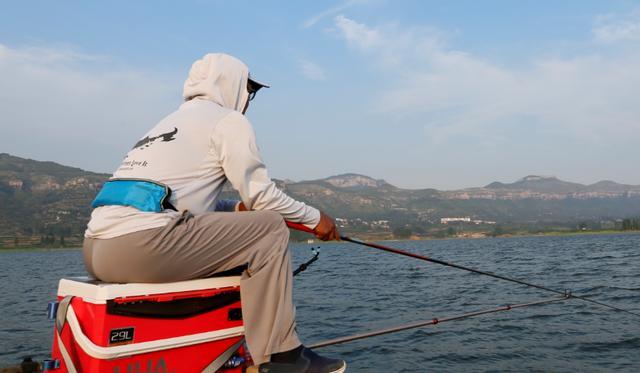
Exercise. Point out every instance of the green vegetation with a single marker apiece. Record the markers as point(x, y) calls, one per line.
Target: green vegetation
point(402, 232)
point(44, 204)
point(631, 224)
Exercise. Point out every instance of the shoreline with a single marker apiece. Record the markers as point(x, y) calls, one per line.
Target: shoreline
point(378, 239)
point(18, 249)
point(365, 237)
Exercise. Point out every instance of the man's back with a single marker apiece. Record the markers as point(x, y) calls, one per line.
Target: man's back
point(178, 152)
point(194, 151)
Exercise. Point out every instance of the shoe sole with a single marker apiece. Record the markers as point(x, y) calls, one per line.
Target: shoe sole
point(254, 369)
point(340, 370)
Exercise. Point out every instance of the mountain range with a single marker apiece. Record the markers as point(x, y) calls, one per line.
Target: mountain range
point(532, 199)
point(45, 198)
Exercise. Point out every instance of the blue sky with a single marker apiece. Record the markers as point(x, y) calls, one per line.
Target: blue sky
point(420, 93)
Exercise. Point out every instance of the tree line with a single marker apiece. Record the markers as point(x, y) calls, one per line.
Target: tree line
point(631, 224)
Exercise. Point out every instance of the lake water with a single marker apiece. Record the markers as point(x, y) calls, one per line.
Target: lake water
point(351, 289)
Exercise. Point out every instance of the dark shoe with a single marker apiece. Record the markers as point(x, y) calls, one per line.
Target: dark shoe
point(307, 361)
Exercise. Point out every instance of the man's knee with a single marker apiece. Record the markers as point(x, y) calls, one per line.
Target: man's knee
point(274, 220)
point(278, 230)
point(273, 243)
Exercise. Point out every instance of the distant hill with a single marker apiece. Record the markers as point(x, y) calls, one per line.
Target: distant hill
point(541, 184)
point(531, 199)
point(47, 201)
point(44, 198)
point(354, 182)
point(553, 185)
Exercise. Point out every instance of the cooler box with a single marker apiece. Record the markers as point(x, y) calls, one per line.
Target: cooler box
point(189, 326)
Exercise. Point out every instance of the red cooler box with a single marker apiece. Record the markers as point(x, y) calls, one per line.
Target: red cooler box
point(189, 326)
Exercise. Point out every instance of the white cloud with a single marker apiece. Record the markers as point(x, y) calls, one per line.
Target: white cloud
point(612, 28)
point(79, 109)
point(311, 70)
point(311, 21)
point(590, 97)
point(45, 55)
point(357, 34)
point(391, 43)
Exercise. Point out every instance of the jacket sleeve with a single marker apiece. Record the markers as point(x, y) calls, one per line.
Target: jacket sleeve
point(234, 142)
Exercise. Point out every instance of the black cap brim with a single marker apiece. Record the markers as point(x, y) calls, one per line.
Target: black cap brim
point(256, 85)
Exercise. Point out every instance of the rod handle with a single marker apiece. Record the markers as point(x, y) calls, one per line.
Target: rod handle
point(299, 227)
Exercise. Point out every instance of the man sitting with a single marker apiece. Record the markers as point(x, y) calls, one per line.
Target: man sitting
point(155, 219)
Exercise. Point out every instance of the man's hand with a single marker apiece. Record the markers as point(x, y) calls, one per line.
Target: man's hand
point(326, 230)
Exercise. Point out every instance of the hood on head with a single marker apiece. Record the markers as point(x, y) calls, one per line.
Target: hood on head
point(220, 78)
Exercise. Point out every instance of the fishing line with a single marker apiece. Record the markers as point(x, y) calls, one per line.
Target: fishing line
point(453, 265)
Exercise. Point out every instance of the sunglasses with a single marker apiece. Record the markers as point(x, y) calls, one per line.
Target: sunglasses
point(252, 91)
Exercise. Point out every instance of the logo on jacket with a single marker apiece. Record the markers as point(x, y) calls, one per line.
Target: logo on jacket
point(148, 141)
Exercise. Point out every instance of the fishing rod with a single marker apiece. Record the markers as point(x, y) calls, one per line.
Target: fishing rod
point(304, 228)
point(435, 321)
point(303, 267)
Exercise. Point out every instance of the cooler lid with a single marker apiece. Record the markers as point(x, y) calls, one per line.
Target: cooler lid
point(94, 291)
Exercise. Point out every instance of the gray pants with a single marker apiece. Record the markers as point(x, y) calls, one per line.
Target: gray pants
point(199, 246)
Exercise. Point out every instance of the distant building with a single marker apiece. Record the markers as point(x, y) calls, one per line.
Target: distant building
point(476, 222)
point(341, 222)
point(380, 223)
point(465, 219)
point(16, 184)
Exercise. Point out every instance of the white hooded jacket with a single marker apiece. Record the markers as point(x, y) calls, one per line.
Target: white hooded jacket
point(196, 150)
